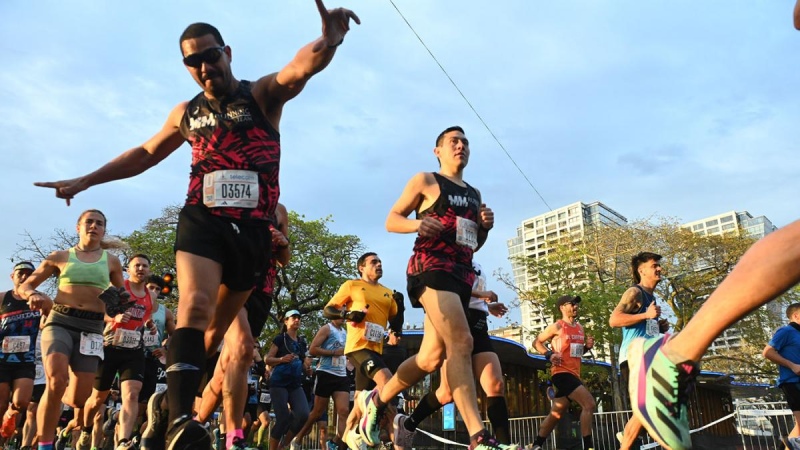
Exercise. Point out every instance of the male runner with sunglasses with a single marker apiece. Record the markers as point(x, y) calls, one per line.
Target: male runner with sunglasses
point(233, 191)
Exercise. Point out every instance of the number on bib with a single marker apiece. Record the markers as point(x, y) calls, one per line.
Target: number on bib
point(466, 233)
point(265, 397)
point(651, 327)
point(151, 340)
point(576, 350)
point(161, 387)
point(374, 332)
point(16, 344)
point(126, 338)
point(231, 188)
point(91, 344)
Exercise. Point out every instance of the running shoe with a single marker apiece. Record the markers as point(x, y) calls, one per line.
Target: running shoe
point(157, 422)
point(355, 441)
point(402, 437)
point(659, 391)
point(488, 442)
point(369, 424)
point(241, 444)
point(84, 441)
point(332, 445)
point(9, 423)
point(187, 434)
point(294, 445)
point(62, 439)
point(126, 444)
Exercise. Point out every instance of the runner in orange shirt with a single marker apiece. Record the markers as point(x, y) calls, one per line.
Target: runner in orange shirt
point(569, 343)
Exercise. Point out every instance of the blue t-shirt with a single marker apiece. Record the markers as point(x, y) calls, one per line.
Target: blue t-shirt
point(786, 341)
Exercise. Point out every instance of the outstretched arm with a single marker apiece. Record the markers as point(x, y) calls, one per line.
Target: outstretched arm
point(273, 90)
point(129, 164)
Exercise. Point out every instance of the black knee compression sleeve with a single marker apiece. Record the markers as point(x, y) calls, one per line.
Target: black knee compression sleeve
point(186, 359)
point(497, 411)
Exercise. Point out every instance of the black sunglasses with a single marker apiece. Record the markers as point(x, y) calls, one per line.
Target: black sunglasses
point(208, 56)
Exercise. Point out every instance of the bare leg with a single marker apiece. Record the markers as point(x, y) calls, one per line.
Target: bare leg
point(767, 269)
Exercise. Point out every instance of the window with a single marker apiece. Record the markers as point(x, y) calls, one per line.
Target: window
point(562, 215)
point(539, 223)
point(711, 223)
point(726, 219)
point(728, 226)
point(697, 227)
point(550, 219)
point(713, 230)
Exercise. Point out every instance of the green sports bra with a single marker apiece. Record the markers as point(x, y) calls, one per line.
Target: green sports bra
point(77, 272)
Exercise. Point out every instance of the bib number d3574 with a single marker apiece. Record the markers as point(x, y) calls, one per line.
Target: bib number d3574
point(230, 189)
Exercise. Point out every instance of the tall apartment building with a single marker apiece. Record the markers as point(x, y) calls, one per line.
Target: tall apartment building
point(530, 242)
point(734, 222)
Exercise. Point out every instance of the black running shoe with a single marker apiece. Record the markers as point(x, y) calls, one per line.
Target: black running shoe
point(157, 421)
point(187, 434)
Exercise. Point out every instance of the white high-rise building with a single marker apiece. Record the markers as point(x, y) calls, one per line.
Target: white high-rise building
point(734, 222)
point(530, 242)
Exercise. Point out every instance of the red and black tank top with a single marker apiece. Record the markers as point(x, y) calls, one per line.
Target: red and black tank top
point(451, 251)
point(232, 134)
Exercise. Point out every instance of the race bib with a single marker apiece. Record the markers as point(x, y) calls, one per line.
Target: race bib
point(126, 338)
point(374, 332)
point(39, 373)
point(161, 387)
point(265, 397)
point(338, 361)
point(466, 233)
point(16, 344)
point(91, 344)
point(576, 350)
point(151, 340)
point(231, 188)
point(651, 327)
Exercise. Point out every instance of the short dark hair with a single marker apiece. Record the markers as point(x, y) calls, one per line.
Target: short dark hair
point(362, 260)
point(199, 29)
point(155, 279)
point(140, 255)
point(440, 138)
point(639, 259)
point(791, 309)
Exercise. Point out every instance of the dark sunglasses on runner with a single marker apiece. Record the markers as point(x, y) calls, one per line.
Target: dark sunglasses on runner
point(208, 56)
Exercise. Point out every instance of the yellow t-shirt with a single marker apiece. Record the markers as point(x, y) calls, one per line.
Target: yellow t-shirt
point(376, 299)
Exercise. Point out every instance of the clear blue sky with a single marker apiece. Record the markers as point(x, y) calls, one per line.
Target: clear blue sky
point(680, 108)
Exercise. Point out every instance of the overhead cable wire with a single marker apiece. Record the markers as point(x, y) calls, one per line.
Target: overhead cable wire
point(470, 105)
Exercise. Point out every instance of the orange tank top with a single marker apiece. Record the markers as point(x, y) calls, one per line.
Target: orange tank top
point(569, 344)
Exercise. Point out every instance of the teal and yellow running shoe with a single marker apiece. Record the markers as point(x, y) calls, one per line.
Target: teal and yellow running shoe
point(659, 392)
